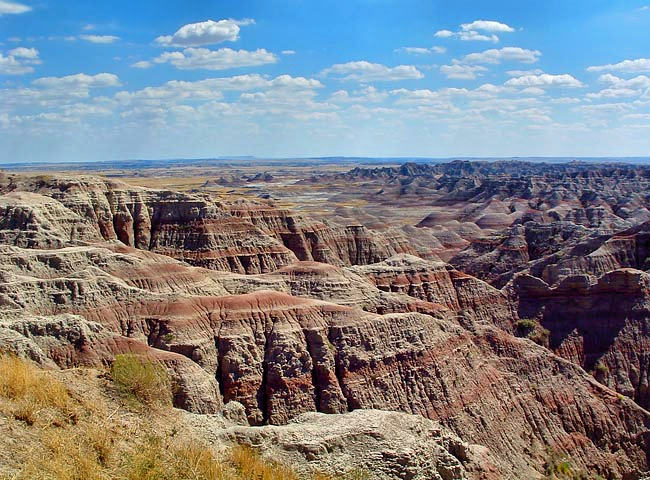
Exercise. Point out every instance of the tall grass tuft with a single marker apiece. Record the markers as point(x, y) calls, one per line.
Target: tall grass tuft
point(141, 380)
point(31, 391)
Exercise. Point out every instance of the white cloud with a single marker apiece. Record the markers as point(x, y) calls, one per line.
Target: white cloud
point(621, 88)
point(478, 30)
point(99, 38)
point(19, 61)
point(637, 116)
point(212, 88)
point(421, 50)
point(208, 32)
point(521, 73)
point(368, 94)
point(641, 81)
point(535, 91)
point(507, 54)
point(472, 36)
point(22, 52)
point(444, 34)
point(288, 52)
point(363, 71)
point(459, 71)
point(203, 58)
point(545, 80)
point(565, 100)
point(613, 93)
point(626, 66)
point(7, 8)
point(88, 27)
point(52, 92)
point(605, 108)
point(80, 80)
point(487, 26)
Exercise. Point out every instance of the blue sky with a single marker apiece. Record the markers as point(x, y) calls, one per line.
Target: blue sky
point(85, 80)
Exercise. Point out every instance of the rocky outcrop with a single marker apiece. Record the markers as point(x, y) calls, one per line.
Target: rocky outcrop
point(243, 237)
point(439, 283)
point(602, 325)
point(378, 445)
point(315, 241)
point(69, 340)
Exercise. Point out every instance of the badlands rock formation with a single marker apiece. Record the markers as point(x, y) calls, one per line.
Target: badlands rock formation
point(245, 238)
point(388, 444)
point(602, 325)
point(229, 297)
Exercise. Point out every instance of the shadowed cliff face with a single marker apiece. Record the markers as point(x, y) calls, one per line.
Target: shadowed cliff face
point(602, 325)
point(89, 269)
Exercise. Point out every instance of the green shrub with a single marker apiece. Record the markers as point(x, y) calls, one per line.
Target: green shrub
point(141, 380)
point(532, 330)
point(601, 369)
point(526, 326)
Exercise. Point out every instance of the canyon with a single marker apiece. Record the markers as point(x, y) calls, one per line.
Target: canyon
point(492, 316)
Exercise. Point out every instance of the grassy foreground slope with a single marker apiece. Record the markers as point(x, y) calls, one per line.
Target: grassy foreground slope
point(85, 424)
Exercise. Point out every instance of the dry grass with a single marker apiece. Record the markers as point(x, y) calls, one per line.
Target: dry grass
point(248, 465)
point(96, 437)
point(157, 458)
point(29, 394)
point(141, 381)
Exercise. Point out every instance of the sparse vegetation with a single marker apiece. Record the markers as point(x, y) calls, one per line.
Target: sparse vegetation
point(94, 439)
point(559, 467)
point(526, 326)
point(31, 394)
point(600, 369)
point(532, 330)
point(141, 380)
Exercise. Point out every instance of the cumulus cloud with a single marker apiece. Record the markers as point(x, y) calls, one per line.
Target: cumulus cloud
point(363, 71)
point(478, 30)
point(478, 37)
point(288, 52)
point(507, 54)
point(203, 58)
point(487, 26)
point(459, 71)
point(80, 80)
point(642, 81)
point(23, 52)
point(613, 93)
point(626, 66)
point(13, 8)
point(444, 34)
point(421, 50)
point(208, 32)
point(521, 73)
point(209, 89)
point(545, 80)
point(621, 88)
point(368, 94)
point(99, 38)
point(19, 61)
point(52, 92)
